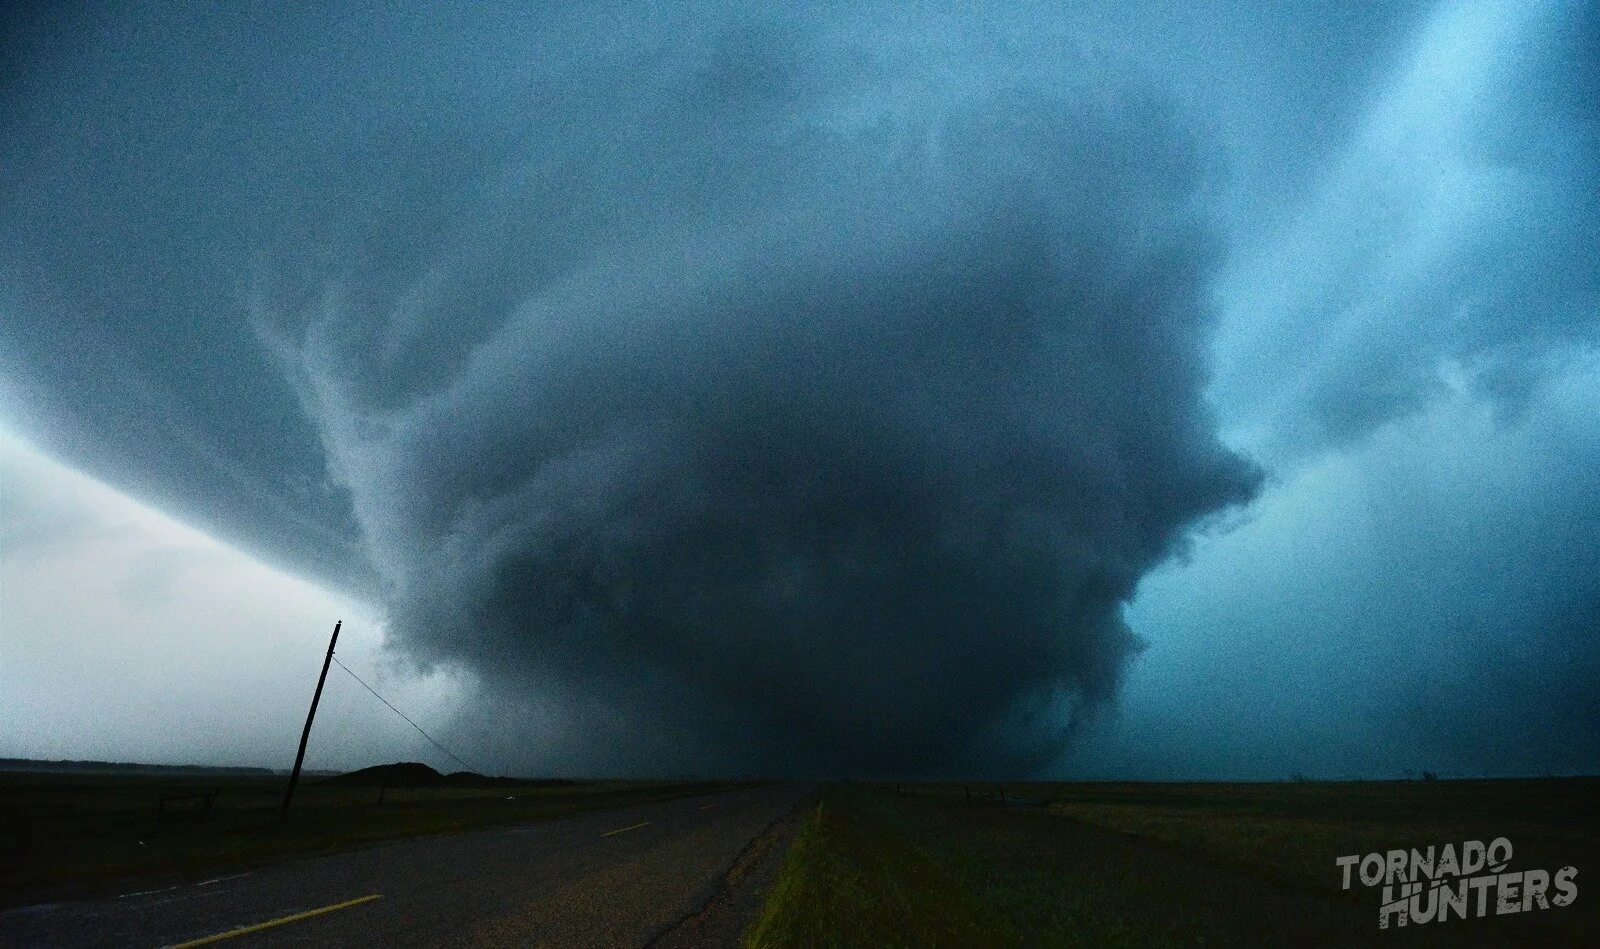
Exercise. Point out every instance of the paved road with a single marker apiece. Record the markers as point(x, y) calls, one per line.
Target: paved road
point(619, 877)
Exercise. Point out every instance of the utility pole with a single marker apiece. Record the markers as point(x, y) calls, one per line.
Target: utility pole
point(305, 736)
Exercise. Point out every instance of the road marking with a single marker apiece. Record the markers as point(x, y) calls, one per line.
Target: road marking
point(624, 830)
point(147, 892)
point(706, 807)
point(247, 930)
point(222, 879)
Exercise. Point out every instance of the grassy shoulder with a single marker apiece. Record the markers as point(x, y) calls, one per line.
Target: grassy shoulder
point(83, 833)
point(871, 869)
point(852, 877)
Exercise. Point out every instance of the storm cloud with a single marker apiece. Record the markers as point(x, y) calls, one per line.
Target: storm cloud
point(725, 391)
point(812, 393)
point(843, 449)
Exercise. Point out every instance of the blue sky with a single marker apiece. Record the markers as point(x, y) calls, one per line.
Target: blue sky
point(1139, 390)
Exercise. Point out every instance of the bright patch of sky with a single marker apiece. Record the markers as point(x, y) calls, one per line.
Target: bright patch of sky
point(125, 635)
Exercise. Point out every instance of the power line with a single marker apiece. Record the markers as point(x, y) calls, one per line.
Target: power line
point(406, 717)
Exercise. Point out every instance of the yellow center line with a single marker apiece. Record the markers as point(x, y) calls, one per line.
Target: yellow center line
point(247, 930)
point(624, 830)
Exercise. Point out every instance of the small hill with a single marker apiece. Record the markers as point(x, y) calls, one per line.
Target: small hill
point(404, 774)
point(412, 774)
point(472, 779)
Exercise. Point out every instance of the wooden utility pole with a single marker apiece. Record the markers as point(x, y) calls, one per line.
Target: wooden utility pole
point(305, 736)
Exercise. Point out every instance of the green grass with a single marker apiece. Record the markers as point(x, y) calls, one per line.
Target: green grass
point(870, 869)
point(852, 878)
point(1181, 865)
point(1291, 832)
point(76, 833)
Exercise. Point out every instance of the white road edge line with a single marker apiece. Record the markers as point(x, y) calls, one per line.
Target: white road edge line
point(159, 889)
point(233, 876)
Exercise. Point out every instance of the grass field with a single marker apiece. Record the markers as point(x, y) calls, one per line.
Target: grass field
point(937, 864)
point(868, 869)
point(68, 833)
point(1292, 831)
point(1156, 864)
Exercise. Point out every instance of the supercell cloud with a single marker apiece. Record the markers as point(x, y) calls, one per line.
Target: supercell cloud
point(807, 440)
point(791, 394)
point(724, 392)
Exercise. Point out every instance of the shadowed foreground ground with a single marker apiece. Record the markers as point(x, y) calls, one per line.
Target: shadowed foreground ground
point(945, 865)
point(1158, 865)
point(85, 834)
point(670, 873)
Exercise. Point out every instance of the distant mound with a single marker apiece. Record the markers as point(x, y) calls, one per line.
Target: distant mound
point(472, 779)
point(404, 774)
point(413, 774)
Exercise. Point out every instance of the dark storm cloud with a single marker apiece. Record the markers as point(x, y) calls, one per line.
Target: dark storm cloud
point(843, 449)
point(786, 394)
point(800, 392)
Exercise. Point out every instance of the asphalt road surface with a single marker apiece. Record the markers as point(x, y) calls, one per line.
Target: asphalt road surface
point(630, 876)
